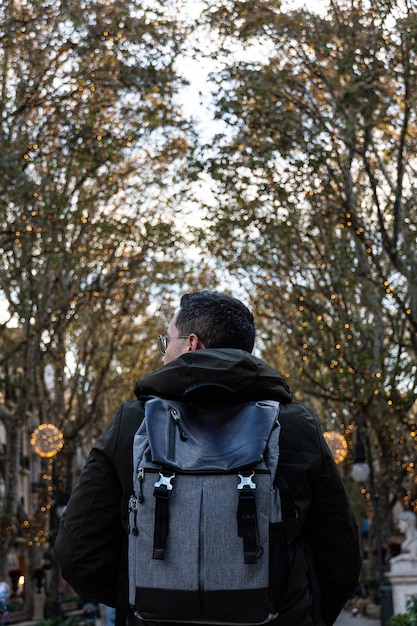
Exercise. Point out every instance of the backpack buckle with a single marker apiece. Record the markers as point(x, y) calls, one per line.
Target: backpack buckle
point(247, 522)
point(165, 481)
point(246, 482)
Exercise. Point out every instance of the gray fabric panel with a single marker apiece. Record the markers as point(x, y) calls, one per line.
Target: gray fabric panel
point(217, 551)
point(223, 556)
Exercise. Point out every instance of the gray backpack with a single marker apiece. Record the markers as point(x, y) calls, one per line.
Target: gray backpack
point(206, 543)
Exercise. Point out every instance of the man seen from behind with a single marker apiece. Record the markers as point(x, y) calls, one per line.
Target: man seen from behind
point(210, 338)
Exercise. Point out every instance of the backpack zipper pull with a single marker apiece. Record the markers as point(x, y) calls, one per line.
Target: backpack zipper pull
point(176, 419)
point(133, 509)
point(141, 474)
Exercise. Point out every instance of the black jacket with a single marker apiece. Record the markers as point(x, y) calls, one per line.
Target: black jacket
point(92, 541)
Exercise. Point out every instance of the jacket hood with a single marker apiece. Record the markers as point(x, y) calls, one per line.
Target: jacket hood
point(216, 375)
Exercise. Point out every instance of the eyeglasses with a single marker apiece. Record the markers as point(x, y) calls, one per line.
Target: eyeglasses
point(164, 339)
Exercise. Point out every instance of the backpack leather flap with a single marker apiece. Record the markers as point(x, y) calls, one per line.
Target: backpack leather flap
point(190, 437)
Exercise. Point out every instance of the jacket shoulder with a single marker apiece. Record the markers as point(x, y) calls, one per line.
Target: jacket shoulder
point(300, 428)
point(119, 433)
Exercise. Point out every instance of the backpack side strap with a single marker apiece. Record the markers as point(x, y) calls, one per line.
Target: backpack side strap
point(162, 492)
point(246, 517)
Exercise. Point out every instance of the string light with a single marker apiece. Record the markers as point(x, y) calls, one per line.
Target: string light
point(337, 444)
point(47, 440)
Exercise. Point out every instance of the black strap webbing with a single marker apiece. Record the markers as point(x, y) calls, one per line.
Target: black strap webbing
point(288, 508)
point(247, 525)
point(162, 491)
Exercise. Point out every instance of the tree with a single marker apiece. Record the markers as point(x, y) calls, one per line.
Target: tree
point(92, 150)
point(315, 186)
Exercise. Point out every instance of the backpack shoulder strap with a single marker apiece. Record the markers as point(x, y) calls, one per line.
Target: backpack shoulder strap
point(288, 507)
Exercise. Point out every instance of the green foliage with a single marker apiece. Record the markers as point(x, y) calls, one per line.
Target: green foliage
point(401, 619)
point(314, 185)
point(61, 621)
point(406, 619)
point(92, 154)
point(314, 210)
point(91, 148)
point(14, 605)
point(412, 610)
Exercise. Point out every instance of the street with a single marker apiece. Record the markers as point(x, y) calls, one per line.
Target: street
point(344, 619)
point(347, 619)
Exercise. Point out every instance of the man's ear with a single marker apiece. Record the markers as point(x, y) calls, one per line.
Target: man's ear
point(195, 343)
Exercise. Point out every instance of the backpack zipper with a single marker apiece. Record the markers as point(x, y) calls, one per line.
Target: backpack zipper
point(175, 416)
point(175, 424)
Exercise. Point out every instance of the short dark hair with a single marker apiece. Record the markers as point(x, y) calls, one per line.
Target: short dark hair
point(219, 320)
